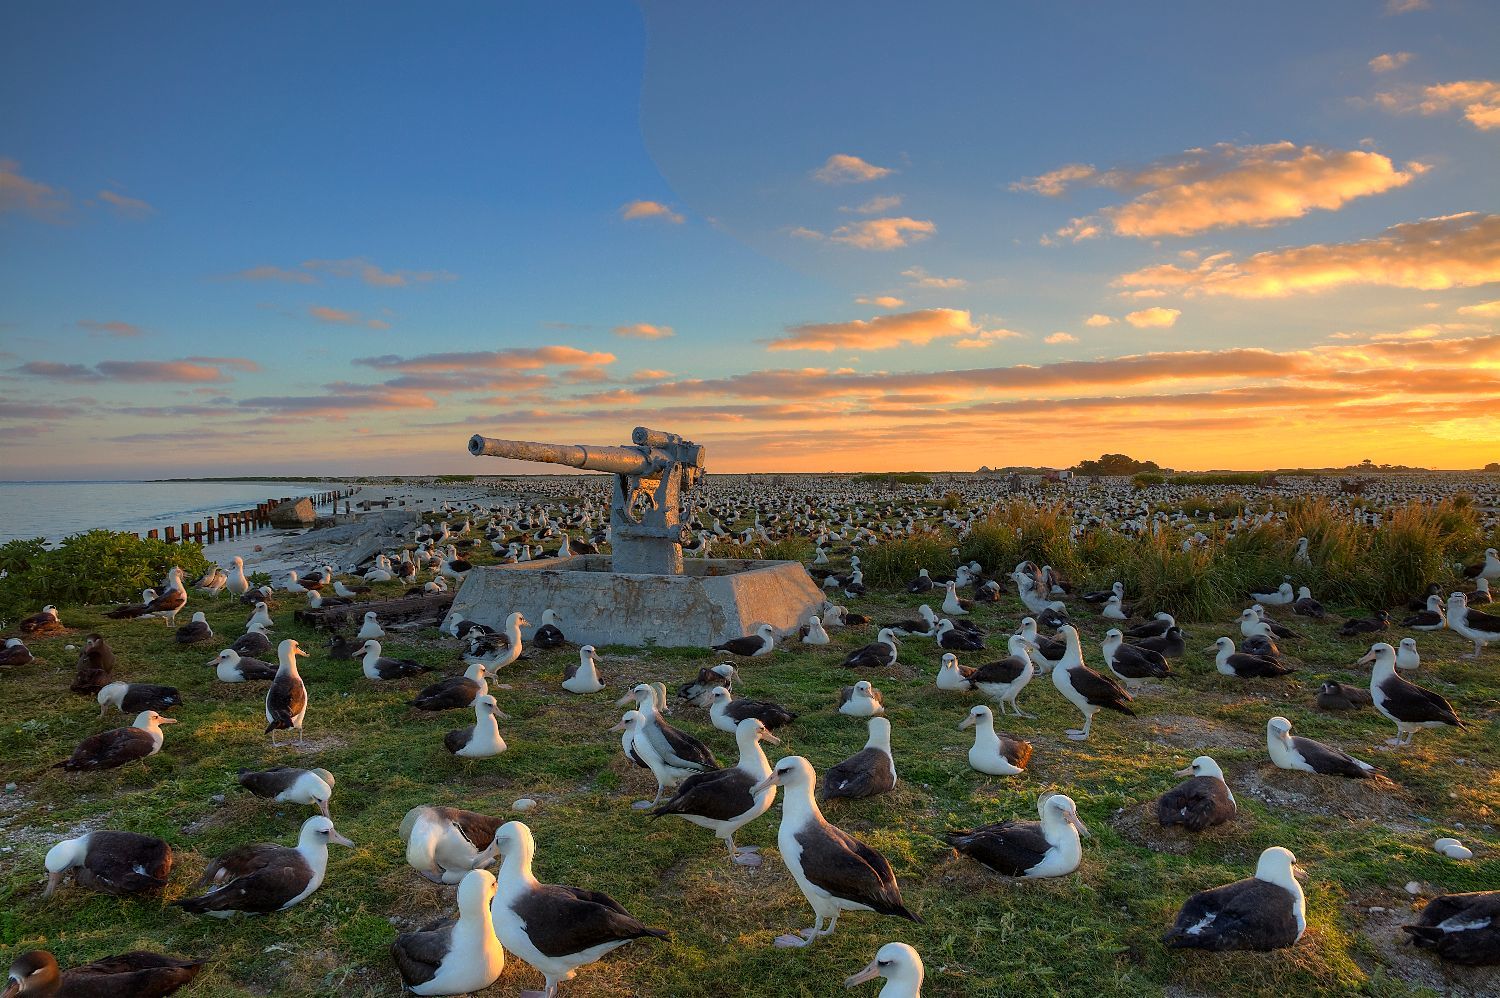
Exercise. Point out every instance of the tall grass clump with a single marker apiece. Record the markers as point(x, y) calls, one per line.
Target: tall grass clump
point(1019, 532)
point(1192, 584)
point(894, 563)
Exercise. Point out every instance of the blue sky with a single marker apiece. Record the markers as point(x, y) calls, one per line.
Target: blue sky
point(210, 214)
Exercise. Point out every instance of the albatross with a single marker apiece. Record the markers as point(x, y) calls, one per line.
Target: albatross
point(1410, 706)
point(1265, 912)
point(454, 956)
point(262, 878)
point(115, 748)
point(721, 800)
point(1050, 847)
point(835, 871)
point(1293, 752)
point(1201, 801)
point(1084, 688)
point(137, 974)
point(556, 929)
point(444, 843)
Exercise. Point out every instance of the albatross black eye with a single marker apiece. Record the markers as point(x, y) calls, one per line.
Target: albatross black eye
point(883, 963)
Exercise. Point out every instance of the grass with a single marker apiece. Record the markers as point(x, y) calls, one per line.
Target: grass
point(1095, 931)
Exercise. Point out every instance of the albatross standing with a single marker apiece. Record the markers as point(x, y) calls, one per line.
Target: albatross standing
point(1084, 688)
point(1412, 707)
point(721, 801)
point(835, 871)
point(554, 928)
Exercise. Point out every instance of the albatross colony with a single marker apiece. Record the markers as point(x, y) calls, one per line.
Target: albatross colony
point(529, 869)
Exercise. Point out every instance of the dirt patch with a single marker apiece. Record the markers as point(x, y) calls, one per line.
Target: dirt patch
point(1181, 731)
point(1138, 824)
point(1376, 799)
point(1379, 917)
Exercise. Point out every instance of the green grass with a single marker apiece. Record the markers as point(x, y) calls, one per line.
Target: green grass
point(1095, 931)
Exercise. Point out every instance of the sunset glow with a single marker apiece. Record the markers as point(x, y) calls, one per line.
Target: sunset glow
point(812, 237)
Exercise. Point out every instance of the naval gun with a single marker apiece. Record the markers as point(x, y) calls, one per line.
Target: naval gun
point(651, 476)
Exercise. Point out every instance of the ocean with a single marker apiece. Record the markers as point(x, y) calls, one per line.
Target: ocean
point(56, 509)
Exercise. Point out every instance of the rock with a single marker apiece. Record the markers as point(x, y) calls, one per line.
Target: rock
point(1413, 888)
point(1453, 849)
point(217, 798)
point(524, 804)
point(10, 786)
point(297, 513)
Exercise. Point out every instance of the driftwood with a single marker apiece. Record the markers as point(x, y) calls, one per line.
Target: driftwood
point(404, 610)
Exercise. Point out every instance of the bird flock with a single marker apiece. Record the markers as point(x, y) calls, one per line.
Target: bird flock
point(559, 930)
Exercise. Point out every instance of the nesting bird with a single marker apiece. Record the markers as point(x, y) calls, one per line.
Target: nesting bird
point(994, 753)
point(263, 878)
point(1201, 801)
point(112, 749)
point(1050, 847)
point(1265, 912)
point(1305, 755)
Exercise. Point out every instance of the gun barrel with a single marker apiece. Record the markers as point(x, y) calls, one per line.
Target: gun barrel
point(619, 460)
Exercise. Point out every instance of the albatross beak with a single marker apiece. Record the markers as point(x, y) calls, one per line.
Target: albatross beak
point(323, 806)
point(766, 736)
point(166, 720)
point(53, 879)
point(967, 722)
point(337, 839)
point(626, 699)
point(12, 989)
point(1211, 649)
point(871, 971)
point(1077, 823)
point(618, 727)
point(766, 784)
point(1369, 657)
point(1184, 772)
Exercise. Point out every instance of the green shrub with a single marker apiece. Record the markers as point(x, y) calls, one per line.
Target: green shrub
point(894, 563)
point(1146, 478)
point(100, 566)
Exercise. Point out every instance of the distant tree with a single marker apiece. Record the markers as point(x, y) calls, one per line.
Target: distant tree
point(1115, 465)
point(1492, 466)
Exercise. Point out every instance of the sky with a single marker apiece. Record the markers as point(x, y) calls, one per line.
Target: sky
point(339, 238)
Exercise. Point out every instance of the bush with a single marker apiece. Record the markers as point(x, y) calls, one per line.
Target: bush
point(1146, 478)
point(100, 566)
point(893, 478)
point(895, 563)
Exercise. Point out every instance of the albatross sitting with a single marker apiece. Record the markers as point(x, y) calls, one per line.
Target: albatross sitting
point(259, 879)
point(1265, 912)
point(444, 843)
point(554, 928)
point(868, 772)
point(454, 956)
point(835, 871)
point(1304, 755)
point(115, 748)
point(901, 967)
point(992, 752)
point(1047, 848)
point(1201, 801)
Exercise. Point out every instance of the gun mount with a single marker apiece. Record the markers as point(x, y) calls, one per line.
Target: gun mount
point(652, 475)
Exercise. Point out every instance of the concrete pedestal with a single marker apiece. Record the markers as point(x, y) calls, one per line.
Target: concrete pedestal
point(712, 601)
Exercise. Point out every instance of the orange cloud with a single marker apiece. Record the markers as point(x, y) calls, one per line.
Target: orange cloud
point(644, 331)
point(343, 317)
point(1453, 251)
point(268, 272)
point(1393, 7)
point(1055, 183)
point(1098, 319)
point(126, 207)
point(633, 210)
point(1387, 61)
point(1479, 100)
point(374, 276)
point(1060, 337)
point(880, 333)
point(1484, 308)
point(1228, 186)
point(113, 328)
point(920, 278)
point(1155, 317)
point(192, 370)
point(21, 194)
point(876, 205)
point(884, 301)
point(879, 233)
point(986, 337)
point(841, 168)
